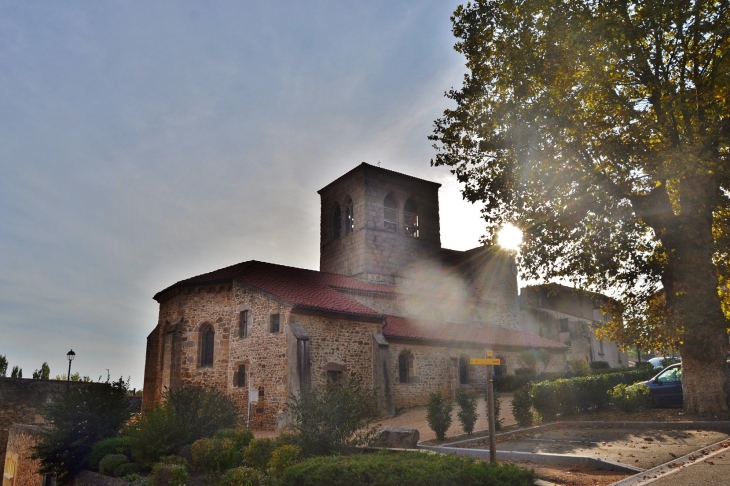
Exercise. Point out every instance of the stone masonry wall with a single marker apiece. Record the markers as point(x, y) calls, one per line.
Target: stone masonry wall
point(20, 440)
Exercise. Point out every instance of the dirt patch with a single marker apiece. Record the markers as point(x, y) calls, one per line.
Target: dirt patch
point(573, 475)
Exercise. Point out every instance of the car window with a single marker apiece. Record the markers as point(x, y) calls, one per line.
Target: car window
point(671, 375)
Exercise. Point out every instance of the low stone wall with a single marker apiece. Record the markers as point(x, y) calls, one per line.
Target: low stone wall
point(21, 438)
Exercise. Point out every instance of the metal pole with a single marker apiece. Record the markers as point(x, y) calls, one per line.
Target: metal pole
point(248, 417)
point(490, 412)
point(68, 377)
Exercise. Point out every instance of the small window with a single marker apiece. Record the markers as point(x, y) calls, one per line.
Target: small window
point(334, 376)
point(241, 376)
point(261, 392)
point(336, 222)
point(600, 346)
point(463, 370)
point(243, 324)
point(349, 216)
point(275, 321)
point(208, 343)
point(564, 325)
point(390, 214)
point(410, 218)
point(403, 368)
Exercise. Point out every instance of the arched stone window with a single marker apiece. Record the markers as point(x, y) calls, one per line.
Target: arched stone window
point(336, 222)
point(207, 343)
point(405, 367)
point(410, 218)
point(349, 216)
point(464, 370)
point(390, 213)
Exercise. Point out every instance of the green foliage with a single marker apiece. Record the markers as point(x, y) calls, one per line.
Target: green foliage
point(643, 366)
point(75, 422)
point(438, 414)
point(42, 374)
point(600, 365)
point(522, 406)
point(168, 475)
point(216, 455)
point(112, 445)
point(497, 409)
point(110, 462)
point(334, 418)
point(403, 469)
point(467, 413)
point(579, 367)
point(185, 415)
point(258, 453)
point(17, 372)
point(3, 366)
point(629, 398)
point(127, 469)
point(242, 476)
point(240, 437)
point(283, 457)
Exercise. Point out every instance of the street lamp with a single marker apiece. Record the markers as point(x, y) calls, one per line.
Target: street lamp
point(70, 355)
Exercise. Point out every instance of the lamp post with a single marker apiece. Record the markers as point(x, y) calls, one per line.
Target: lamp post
point(70, 355)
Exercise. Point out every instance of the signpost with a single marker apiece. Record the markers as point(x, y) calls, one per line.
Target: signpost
point(489, 362)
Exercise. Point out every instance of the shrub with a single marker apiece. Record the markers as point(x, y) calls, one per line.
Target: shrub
point(76, 421)
point(510, 383)
point(403, 469)
point(168, 475)
point(215, 455)
point(240, 437)
point(644, 365)
point(282, 457)
point(497, 408)
point(523, 372)
point(579, 367)
point(258, 453)
point(438, 414)
point(600, 365)
point(241, 476)
point(467, 413)
point(112, 445)
point(185, 416)
point(522, 406)
point(173, 459)
point(127, 469)
point(110, 462)
point(334, 418)
point(629, 398)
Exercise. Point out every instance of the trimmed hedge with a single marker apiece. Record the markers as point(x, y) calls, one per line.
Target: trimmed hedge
point(404, 469)
point(510, 383)
point(568, 396)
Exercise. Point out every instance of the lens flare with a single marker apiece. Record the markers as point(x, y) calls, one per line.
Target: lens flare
point(509, 237)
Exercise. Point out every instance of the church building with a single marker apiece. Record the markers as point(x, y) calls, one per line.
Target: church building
point(388, 303)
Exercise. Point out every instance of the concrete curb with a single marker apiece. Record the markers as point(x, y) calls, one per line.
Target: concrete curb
point(540, 458)
point(663, 470)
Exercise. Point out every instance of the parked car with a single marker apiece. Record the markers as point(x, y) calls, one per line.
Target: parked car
point(658, 361)
point(665, 389)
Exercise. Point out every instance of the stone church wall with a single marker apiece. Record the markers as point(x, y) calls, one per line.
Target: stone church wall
point(21, 439)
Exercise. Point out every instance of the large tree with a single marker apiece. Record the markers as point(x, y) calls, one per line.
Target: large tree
point(602, 129)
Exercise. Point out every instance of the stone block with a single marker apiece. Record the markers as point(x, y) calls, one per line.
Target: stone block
point(396, 438)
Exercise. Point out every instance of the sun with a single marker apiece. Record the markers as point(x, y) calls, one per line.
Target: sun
point(509, 237)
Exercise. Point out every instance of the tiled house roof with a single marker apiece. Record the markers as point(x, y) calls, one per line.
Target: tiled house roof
point(447, 332)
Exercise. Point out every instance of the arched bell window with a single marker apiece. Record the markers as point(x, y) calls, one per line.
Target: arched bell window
point(410, 218)
point(390, 213)
point(207, 344)
point(405, 367)
point(336, 221)
point(349, 216)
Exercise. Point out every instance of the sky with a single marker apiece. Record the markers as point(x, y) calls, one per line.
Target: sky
point(142, 143)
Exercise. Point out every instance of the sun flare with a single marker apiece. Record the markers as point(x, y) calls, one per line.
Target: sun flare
point(509, 237)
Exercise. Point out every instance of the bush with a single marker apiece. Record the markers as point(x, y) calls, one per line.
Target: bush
point(403, 469)
point(467, 413)
point(258, 453)
point(240, 437)
point(112, 445)
point(76, 420)
point(510, 383)
point(600, 365)
point(127, 469)
point(185, 416)
point(241, 476)
point(523, 372)
point(579, 367)
point(110, 462)
point(438, 414)
point(497, 408)
point(216, 455)
point(334, 418)
point(522, 406)
point(644, 365)
point(282, 457)
point(168, 475)
point(629, 398)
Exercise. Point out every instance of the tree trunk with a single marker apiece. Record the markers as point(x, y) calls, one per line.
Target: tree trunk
point(693, 303)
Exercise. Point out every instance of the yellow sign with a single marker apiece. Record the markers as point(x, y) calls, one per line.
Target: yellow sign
point(485, 361)
point(490, 353)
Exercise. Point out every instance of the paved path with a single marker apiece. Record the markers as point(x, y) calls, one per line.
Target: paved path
point(416, 418)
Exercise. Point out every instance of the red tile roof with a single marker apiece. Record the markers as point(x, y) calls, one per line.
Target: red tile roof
point(308, 289)
point(401, 327)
